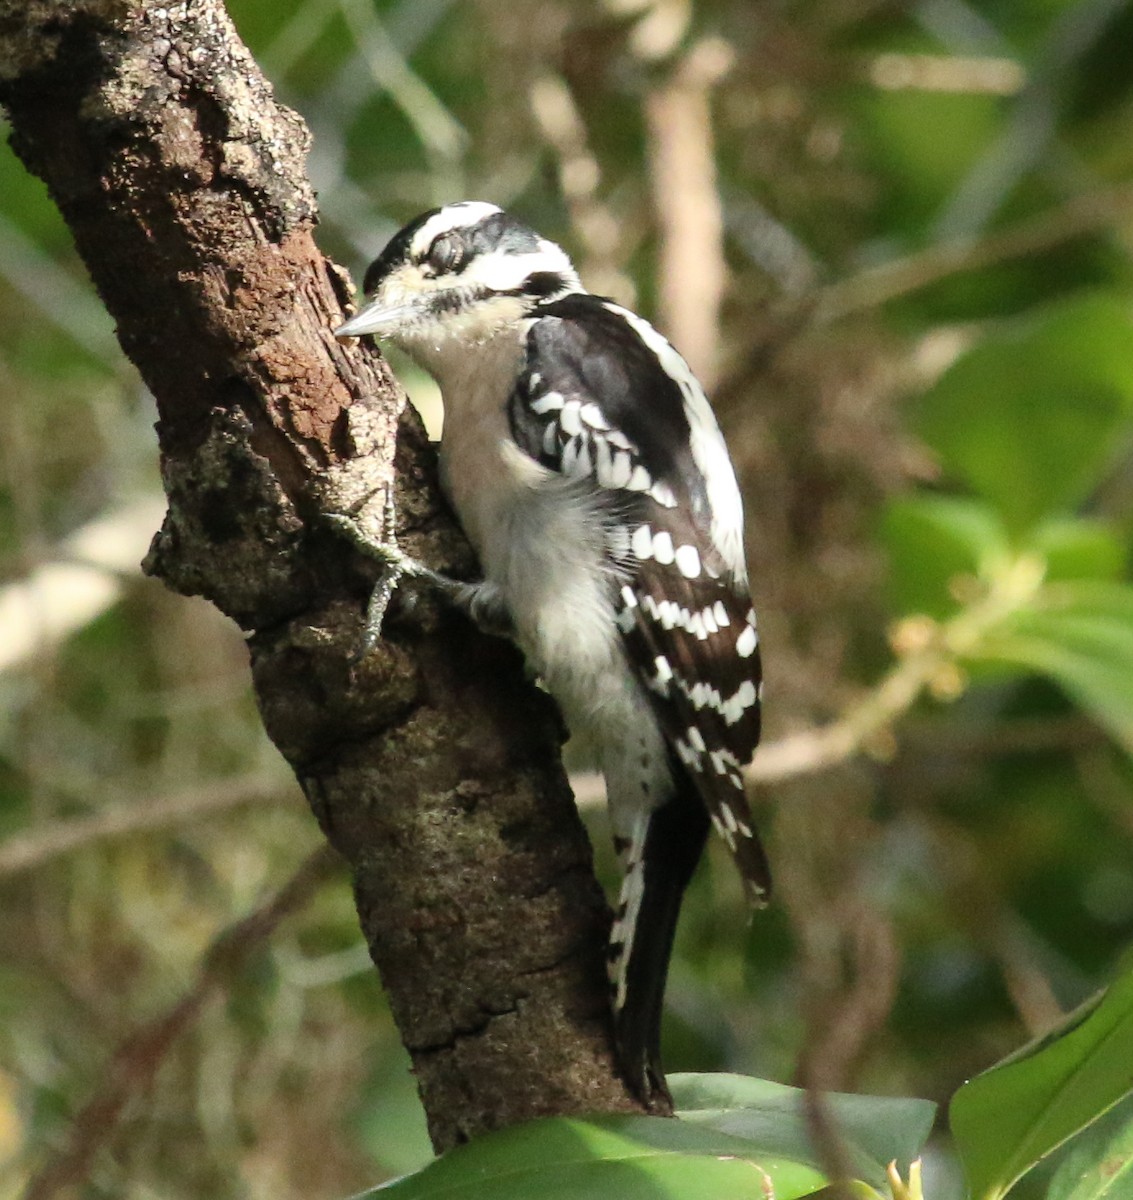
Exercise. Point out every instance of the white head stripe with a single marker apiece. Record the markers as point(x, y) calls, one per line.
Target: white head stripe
point(452, 216)
point(508, 272)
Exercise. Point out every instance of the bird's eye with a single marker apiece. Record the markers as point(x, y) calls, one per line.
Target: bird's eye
point(446, 254)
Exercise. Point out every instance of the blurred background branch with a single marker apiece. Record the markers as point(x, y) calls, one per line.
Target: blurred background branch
point(27, 851)
point(691, 274)
point(134, 1064)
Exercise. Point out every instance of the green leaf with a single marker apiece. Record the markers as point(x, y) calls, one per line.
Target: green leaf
point(1032, 416)
point(633, 1158)
point(1100, 1163)
point(735, 1136)
point(932, 540)
point(1012, 1116)
point(1081, 635)
point(1078, 548)
point(875, 1129)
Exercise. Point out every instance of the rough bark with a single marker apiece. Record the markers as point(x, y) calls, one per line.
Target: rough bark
point(432, 766)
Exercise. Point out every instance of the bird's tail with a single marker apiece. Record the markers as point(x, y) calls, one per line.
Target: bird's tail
point(658, 858)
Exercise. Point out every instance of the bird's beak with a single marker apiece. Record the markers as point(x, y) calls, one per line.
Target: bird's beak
point(376, 317)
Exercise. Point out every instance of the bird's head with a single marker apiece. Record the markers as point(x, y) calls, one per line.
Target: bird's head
point(456, 276)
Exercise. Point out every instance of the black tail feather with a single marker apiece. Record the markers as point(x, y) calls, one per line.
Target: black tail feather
point(673, 844)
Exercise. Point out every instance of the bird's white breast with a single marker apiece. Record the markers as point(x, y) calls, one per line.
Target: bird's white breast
point(541, 541)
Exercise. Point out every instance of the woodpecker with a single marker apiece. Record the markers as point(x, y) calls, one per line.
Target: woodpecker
point(588, 471)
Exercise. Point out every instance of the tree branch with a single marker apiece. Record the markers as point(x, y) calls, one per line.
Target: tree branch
point(433, 765)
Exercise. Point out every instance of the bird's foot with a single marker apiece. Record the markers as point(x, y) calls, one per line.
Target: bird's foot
point(394, 565)
point(480, 601)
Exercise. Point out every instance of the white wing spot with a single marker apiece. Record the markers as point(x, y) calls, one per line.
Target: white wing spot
point(668, 613)
point(624, 618)
point(663, 494)
point(640, 480)
point(688, 755)
point(723, 762)
point(746, 642)
point(688, 561)
point(591, 414)
point(735, 706)
point(548, 402)
point(642, 542)
point(569, 419)
point(724, 832)
point(620, 469)
point(663, 548)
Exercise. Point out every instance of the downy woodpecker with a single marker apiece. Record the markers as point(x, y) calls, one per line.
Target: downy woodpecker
point(589, 473)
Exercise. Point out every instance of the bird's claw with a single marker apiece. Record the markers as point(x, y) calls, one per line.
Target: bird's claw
point(481, 602)
point(393, 562)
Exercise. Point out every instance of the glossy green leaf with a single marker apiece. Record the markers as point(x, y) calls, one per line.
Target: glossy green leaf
point(1032, 416)
point(1099, 1165)
point(875, 1129)
point(1012, 1116)
point(1081, 635)
point(633, 1158)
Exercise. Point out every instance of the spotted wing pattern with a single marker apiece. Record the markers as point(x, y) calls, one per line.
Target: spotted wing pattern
point(596, 403)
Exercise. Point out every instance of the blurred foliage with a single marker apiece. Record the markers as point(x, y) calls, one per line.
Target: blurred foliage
point(924, 367)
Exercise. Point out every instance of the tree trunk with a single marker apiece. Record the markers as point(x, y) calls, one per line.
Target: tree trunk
point(433, 765)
